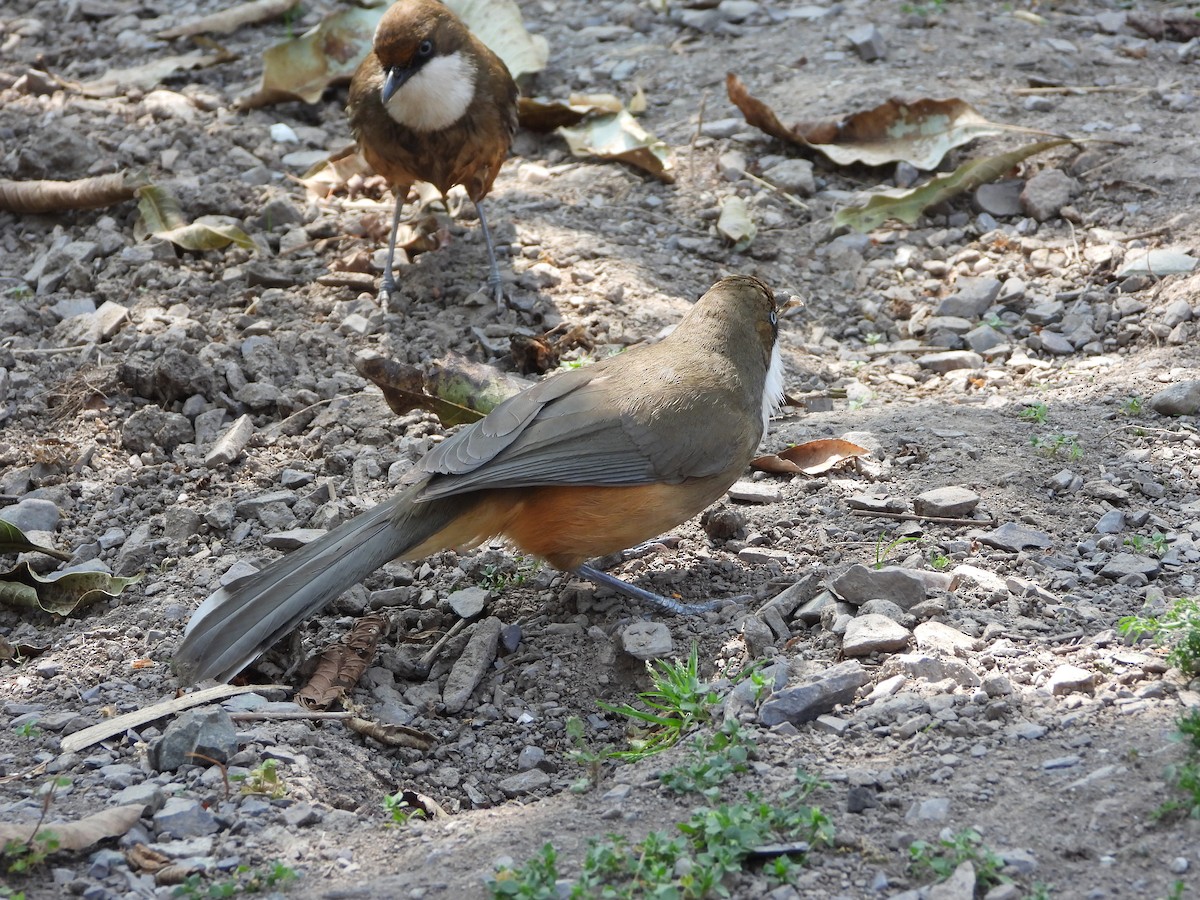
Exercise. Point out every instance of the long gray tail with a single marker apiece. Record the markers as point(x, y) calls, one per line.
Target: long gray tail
point(236, 624)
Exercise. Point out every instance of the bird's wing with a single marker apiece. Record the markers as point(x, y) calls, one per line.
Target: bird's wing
point(570, 429)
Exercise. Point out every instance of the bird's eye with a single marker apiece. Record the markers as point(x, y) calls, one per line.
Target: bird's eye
point(774, 319)
point(425, 48)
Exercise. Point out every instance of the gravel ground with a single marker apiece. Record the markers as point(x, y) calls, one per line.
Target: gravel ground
point(975, 681)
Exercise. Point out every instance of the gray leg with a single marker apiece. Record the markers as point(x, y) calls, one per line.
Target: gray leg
point(494, 269)
point(681, 609)
point(388, 286)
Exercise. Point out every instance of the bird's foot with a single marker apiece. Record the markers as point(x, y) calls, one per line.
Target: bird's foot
point(631, 590)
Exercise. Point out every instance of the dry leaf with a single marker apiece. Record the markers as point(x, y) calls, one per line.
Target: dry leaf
point(810, 458)
point(499, 25)
point(13, 540)
point(55, 196)
point(414, 800)
point(392, 735)
point(621, 137)
point(340, 665)
point(920, 133)
point(230, 20)
point(454, 389)
point(907, 205)
point(542, 353)
point(80, 834)
point(148, 76)
point(547, 115)
point(142, 857)
point(61, 593)
point(159, 214)
point(735, 224)
point(332, 174)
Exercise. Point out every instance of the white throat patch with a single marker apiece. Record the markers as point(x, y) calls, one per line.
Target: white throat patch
point(437, 96)
point(773, 387)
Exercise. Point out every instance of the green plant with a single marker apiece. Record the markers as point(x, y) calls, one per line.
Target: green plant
point(711, 761)
point(1158, 540)
point(494, 578)
point(882, 551)
point(401, 811)
point(939, 560)
point(583, 754)
point(941, 858)
point(263, 779)
point(28, 730)
point(677, 701)
point(1040, 891)
point(1186, 775)
point(873, 337)
point(1133, 406)
point(1178, 890)
point(536, 880)
point(1179, 627)
point(1036, 413)
point(1053, 444)
point(21, 856)
point(245, 880)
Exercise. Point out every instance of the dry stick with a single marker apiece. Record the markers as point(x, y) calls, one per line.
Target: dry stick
point(1080, 89)
point(1153, 232)
point(284, 715)
point(913, 517)
point(790, 198)
point(428, 658)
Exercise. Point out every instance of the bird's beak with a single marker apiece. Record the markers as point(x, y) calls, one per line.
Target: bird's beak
point(393, 81)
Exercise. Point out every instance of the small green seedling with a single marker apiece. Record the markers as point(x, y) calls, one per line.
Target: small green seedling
point(883, 552)
point(1037, 413)
point(401, 811)
point(1133, 406)
point(591, 760)
point(263, 779)
point(28, 730)
point(940, 859)
point(1179, 628)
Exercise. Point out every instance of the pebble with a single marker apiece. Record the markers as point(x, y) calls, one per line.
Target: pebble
point(803, 703)
point(1013, 537)
point(873, 633)
point(1121, 565)
point(1112, 522)
point(943, 638)
point(207, 731)
point(959, 886)
point(1001, 199)
point(524, 783)
point(182, 817)
point(755, 492)
point(973, 297)
point(468, 670)
point(292, 538)
point(467, 603)
point(32, 515)
point(867, 42)
point(859, 583)
point(231, 443)
point(794, 176)
point(1046, 193)
point(950, 360)
point(1181, 399)
point(948, 502)
point(931, 809)
point(647, 640)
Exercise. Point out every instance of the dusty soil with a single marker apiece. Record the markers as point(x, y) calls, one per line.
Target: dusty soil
point(1062, 782)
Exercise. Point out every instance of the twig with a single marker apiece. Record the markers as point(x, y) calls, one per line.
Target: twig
point(790, 198)
point(427, 660)
point(1153, 232)
point(913, 517)
point(284, 715)
point(279, 425)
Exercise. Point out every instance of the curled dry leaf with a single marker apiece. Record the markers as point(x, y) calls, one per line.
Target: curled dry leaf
point(160, 215)
point(340, 665)
point(499, 25)
point(230, 20)
point(427, 805)
point(148, 76)
point(541, 353)
point(907, 205)
point(920, 133)
point(735, 223)
point(141, 857)
point(62, 593)
point(547, 115)
point(810, 458)
point(80, 834)
point(392, 735)
point(13, 540)
point(332, 174)
point(621, 137)
point(455, 389)
point(33, 197)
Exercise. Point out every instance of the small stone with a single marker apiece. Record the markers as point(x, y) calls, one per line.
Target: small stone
point(32, 514)
point(1112, 522)
point(959, 886)
point(1105, 490)
point(301, 815)
point(794, 176)
point(947, 502)
point(724, 523)
point(868, 43)
point(755, 492)
point(468, 602)
point(1053, 342)
point(1013, 537)
point(469, 669)
point(524, 783)
point(1046, 193)
point(229, 446)
point(797, 705)
point(1157, 263)
point(1179, 865)
point(207, 731)
point(292, 538)
point(873, 633)
point(147, 795)
point(530, 758)
point(950, 360)
point(931, 809)
point(1061, 762)
point(1124, 564)
point(184, 818)
point(943, 638)
point(858, 584)
point(1001, 199)
point(983, 338)
point(1181, 399)
point(647, 640)
point(971, 299)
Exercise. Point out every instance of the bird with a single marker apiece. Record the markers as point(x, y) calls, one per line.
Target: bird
point(583, 464)
point(430, 102)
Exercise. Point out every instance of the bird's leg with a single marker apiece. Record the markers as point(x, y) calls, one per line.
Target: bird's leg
point(612, 581)
point(388, 286)
point(494, 271)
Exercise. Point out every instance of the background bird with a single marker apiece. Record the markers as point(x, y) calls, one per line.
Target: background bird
point(431, 103)
point(583, 464)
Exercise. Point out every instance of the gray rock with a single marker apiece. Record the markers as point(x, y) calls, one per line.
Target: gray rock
point(647, 640)
point(524, 783)
point(943, 638)
point(181, 817)
point(1046, 312)
point(971, 300)
point(1013, 537)
point(949, 360)
point(468, 602)
point(868, 43)
point(886, 608)
point(301, 815)
point(1001, 199)
point(795, 595)
point(292, 538)
point(32, 515)
point(983, 338)
point(803, 703)
point(530, 758)
point(873, 633)
point(931, 809)
point(229, 446)
point(207, 731)
point(757, 634)
point(469, 670)
point(755, 492)
point(1068, 679)
point(152, 427)
point(949, 502)
point(959, 886)
point(1105, 490)
point(1177, 312)
point(859, 583)
point(1052, 342)
point(1123, 564)
point(1112, 522)
point(1181, 399)
point(1046, 193)
point(148, 795)
point(794, 176)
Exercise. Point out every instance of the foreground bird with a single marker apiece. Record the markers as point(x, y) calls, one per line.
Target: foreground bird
point(431, 103)
point(583, 464)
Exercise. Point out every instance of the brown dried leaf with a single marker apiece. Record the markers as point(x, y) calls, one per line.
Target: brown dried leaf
point(1180, 25)
point(810, 458)
point(230, 20)
point(142, 857)
point(147, 76)
point(80, 834)
point(340, 665)
point(546, 115)
point(621, 137)
point(455, 390)
point(541, 353)
point(333, 174)
point(35, 197)
point(392, 735)
point(920, 133)
point(415, 800)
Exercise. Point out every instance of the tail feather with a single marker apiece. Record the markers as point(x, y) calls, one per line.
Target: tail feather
point(232, 627)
